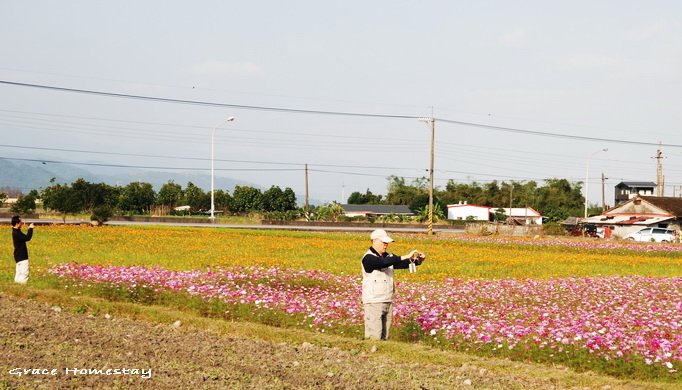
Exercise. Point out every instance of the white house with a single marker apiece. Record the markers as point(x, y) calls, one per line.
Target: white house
point(522, 215)
point(464, 211)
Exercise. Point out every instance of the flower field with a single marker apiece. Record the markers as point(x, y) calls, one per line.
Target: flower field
point(622, 319)
point(339, 253)
point(614, 307)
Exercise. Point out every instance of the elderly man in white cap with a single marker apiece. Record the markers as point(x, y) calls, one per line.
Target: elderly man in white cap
point(377, 283)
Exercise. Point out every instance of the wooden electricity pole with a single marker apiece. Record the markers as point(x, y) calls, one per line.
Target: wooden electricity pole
point(603, 202)
point(306, 188)
point(433, 134)
point(660, 179)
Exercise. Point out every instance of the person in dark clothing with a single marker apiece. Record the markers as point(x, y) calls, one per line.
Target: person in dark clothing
point(378, 286)
point(20, 249)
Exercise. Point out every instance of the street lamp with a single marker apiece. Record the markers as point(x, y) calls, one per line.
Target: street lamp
point(587, 174)
point(230, 119)
point(432, 122)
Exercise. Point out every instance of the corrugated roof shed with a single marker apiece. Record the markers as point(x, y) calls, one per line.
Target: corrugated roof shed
point(668, 203)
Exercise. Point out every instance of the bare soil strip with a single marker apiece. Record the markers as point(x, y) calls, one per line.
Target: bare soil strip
point(46, 346)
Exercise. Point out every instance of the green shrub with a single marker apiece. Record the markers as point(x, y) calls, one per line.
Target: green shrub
point(553, 229)
point(101, 214)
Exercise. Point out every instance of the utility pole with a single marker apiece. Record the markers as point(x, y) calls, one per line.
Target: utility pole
point(603, 201)
point(675, 191)
point(511, 199)
point(431, 120)
point(306, 188)
point(433, 134)
point(660, 179)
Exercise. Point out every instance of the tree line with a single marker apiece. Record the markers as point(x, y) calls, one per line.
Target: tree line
point(102, 200)
point(557, 199)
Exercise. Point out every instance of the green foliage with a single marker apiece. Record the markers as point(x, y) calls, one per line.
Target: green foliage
point(500, 215)
point(101, 214)
point(557, 200)
point(330, 212)
point(196, 198)
point(25, 204)
point(393, 218)
point(90, 195)
point(367, 198)
point(137, 198)
point(61, 198)
point(560, 199)
point(438, 214)
point(222, 200)
point(247, 199)
point(80, 196)
point(410, 331)
point(473, 193)
point(3, 198)
point(275, 199)
point(170, 194)
point(553, 229)
point(289, 215)
point(593, 209)
point(556, 214)
point(405, 194)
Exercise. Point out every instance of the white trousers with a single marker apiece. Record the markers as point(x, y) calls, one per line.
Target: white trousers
point(21, 275)
point(378, 317)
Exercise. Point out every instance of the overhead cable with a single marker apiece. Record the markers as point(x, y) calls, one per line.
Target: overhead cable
point(337, 113)
point(209, 104)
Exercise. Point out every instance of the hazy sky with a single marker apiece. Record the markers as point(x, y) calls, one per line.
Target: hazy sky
point(610, 70)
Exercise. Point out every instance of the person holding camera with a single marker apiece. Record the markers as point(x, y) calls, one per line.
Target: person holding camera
point(378, 286)
point(20, 250)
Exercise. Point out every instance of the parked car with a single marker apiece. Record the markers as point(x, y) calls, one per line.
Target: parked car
point(653, 235)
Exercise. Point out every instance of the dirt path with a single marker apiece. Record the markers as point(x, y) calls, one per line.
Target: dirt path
point(60, 344)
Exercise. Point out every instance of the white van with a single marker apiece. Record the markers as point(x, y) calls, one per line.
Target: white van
point(653, 235)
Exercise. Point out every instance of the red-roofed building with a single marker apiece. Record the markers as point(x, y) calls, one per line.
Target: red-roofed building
point(640, 212)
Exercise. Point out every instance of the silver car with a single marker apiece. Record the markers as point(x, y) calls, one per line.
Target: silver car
point(653, 235)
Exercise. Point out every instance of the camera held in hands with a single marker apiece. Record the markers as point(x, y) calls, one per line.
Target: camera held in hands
point(416, 260)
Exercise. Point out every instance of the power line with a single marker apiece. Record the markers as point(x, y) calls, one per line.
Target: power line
point(186, 126)
point(336, 113)
point(196, 158)
point(45, 161)
point(208, 104)
point(555, 135)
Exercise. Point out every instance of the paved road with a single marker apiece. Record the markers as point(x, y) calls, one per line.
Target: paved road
point(257, 227)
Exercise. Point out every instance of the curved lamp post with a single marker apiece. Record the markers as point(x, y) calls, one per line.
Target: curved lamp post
point(230, 119)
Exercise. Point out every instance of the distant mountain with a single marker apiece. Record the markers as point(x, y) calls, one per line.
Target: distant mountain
point(27, 176)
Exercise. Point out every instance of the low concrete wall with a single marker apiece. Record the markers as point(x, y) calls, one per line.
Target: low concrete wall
point(162, 219)
point(25, 216)
point(376, 225)
point(503, 230)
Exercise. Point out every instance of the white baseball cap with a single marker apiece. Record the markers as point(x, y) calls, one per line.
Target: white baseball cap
point(380, 234)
